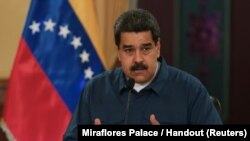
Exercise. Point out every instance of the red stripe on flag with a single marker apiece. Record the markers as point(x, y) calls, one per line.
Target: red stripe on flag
point(33, 110)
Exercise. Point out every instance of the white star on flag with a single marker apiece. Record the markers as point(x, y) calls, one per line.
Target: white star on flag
point(49, 25)
point(64, 31)
point(76, 42)
point(84, 56)
point(34, 27)
point(88, 73)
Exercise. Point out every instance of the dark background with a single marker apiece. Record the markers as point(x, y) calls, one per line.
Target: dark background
point(239, 40)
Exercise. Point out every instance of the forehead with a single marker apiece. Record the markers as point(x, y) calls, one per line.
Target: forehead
point(135, 37)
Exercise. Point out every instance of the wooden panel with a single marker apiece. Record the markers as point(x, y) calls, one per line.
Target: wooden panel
point(3, 87)
point(163, 12)
point(206, 58)
point(240, 64)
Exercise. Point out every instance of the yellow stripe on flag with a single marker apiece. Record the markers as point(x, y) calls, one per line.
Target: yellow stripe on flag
point(86, 13)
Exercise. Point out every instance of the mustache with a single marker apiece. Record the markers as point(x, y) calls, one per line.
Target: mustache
point(138, 66)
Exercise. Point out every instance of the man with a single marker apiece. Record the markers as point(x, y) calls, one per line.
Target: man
point(161, 94)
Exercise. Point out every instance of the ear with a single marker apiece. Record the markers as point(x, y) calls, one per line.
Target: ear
point(118, 56)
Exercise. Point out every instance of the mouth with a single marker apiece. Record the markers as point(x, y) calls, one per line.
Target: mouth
point(139, 72)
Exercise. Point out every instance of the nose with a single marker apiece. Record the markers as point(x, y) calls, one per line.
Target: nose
point(138, 56)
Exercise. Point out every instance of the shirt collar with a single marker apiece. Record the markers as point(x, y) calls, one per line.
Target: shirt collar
point(161, 77)
point(138, 87)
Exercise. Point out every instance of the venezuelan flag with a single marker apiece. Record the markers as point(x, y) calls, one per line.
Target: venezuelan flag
point(59, 52)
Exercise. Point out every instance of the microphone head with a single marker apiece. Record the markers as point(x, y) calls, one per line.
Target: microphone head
point(130, 83)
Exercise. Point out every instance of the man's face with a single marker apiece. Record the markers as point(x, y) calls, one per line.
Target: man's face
point(138, 55)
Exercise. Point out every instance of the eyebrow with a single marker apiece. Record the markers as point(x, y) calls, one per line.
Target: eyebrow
point(147, 44)
point(130, 46)
point(126, 46)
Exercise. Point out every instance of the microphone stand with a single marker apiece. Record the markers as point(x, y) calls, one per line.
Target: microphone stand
point(130, 85)
point(127, 107)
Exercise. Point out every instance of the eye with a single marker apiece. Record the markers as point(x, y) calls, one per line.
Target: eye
point(146, 49)
point(129, 51)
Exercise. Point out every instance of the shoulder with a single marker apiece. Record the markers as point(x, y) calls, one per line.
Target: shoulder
point(105, 78)
point(181, 77)
point(102, 85)
point(187, 82)
point(176, 79)
point(175, 76)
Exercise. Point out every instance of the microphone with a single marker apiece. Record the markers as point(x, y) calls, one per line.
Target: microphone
point(129, 85)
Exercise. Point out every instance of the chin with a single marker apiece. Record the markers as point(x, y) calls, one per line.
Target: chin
point(141, 80)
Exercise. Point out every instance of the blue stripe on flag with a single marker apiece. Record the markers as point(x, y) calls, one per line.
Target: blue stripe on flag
point(56, 54)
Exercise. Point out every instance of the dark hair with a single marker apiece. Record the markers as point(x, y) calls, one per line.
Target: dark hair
point(136, 20)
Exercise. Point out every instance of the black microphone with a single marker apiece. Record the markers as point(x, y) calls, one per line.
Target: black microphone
point(129, 85)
